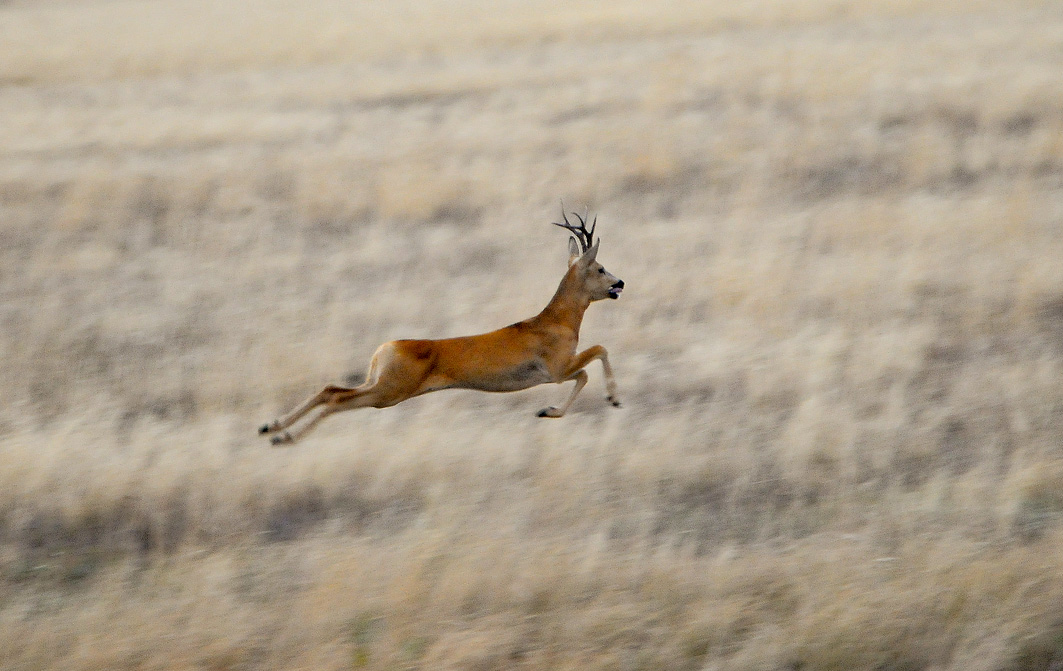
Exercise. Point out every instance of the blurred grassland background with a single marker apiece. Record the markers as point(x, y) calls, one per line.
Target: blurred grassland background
point(840, 346)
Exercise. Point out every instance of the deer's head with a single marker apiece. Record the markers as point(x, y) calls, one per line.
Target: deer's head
point(595, 280)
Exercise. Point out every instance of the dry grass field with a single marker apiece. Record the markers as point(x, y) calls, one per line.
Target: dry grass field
point(840, 347)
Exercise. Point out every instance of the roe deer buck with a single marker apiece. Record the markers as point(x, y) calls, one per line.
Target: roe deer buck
point(532, 352)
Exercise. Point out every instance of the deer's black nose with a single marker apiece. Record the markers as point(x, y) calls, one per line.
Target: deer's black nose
point(619, 284)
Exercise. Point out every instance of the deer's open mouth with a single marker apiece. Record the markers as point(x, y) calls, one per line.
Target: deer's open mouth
point(614, 291)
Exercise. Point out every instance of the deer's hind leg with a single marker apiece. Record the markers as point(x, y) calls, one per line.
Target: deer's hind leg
point(323, 397)
point(392, 378)
point(337, 399)
point(320, 398)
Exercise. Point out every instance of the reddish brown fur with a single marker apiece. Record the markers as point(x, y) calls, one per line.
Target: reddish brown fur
point(532, 352)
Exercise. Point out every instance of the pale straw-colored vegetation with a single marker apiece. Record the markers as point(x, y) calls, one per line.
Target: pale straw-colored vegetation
point(840, 346)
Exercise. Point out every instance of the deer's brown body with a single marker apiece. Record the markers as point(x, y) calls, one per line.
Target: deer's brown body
point(535, 351)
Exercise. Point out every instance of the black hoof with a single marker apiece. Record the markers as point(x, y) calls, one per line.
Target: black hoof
point(264, 428)
point(282, 439)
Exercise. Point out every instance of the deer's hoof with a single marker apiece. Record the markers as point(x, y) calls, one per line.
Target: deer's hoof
point(264, 428)
point(281, 439)
point(614, 401)
point(549, 412)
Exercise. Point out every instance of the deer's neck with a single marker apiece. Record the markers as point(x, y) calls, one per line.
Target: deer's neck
point(568, 304)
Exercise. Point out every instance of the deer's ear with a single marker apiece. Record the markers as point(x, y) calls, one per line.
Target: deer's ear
point(592, 252)
point(573, 251)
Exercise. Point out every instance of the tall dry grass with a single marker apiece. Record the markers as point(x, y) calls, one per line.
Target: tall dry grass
point(839, 347)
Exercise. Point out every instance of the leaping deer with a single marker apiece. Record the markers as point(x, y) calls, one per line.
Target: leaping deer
point(532, 352)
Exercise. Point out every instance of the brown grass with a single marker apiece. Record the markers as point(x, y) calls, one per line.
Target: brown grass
point(840, 346)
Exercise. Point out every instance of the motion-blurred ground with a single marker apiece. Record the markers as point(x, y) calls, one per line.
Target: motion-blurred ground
point(840, 346)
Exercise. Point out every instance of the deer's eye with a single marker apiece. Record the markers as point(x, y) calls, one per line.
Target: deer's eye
point(601, 270)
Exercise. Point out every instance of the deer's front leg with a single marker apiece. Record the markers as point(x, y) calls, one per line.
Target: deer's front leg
point(581, 379)
point(610, 381)
point(575, 372)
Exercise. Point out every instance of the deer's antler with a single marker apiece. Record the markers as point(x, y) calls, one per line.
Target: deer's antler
point(582, 235)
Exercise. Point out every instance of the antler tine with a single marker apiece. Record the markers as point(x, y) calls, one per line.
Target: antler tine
point(582, 232)
point(582, 235)
point(577, 233)
point(569, 226)
point(586, 237)
point(583, 225)
point(571, 229)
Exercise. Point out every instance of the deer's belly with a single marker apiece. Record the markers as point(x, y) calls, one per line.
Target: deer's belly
point(516, 378)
